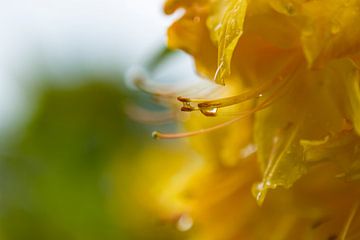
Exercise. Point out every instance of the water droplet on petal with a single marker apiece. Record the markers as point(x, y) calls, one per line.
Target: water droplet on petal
point(218, 27)
point(247, 151)
point(259, 192)
point(184, 223)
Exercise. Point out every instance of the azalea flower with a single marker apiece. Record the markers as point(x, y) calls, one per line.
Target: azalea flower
point(281, 142)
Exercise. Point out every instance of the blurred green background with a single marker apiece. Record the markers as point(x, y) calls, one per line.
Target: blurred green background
point(72, 164)
point(56, 173)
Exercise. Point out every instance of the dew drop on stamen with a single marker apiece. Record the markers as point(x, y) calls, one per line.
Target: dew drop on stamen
point(209, 112)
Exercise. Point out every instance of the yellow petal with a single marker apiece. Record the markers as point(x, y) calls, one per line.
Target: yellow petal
point(281, 158)
point(287, 7)
point(227, 27)
point(296, 116)
point(356, 60)
point(330, 30)
point(191, 34)
point(353, 93)
point(341, 149)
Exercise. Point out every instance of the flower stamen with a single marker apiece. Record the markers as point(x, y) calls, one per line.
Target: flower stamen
point(212, 111)
point(264, 104)
point(146, 116)
point(209, 107)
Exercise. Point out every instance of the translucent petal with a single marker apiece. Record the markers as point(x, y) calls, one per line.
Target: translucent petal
point(283, 163)
point(343, 149)
point(276, 136)
point(330, 30)
point(227, 26)
point(280, 128)
point(356, 60)
point(190, 34)
point(353, 93)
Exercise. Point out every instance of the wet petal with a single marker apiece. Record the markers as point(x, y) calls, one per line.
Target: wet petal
point(191, 34)
point(227, 27)
point(353, 93)
point(330, 30)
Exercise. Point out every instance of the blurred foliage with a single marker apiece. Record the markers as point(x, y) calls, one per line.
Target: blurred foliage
point(56, 180)
point(161, 56)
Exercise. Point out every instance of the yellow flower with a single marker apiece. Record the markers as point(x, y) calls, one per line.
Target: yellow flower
point(291, 74)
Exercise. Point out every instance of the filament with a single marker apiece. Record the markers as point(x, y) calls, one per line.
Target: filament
point(143, 115)
point(266, 103)
point(159, 135)
point(275, 95)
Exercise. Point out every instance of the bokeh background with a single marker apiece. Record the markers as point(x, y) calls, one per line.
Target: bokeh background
point(73, 165)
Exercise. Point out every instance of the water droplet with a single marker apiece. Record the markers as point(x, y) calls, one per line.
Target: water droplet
point(218, 27)
point(184, 223)
point(247, 151)
point(209, 112)
point(260, 95)
point(259, 192)
point(269, 184)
